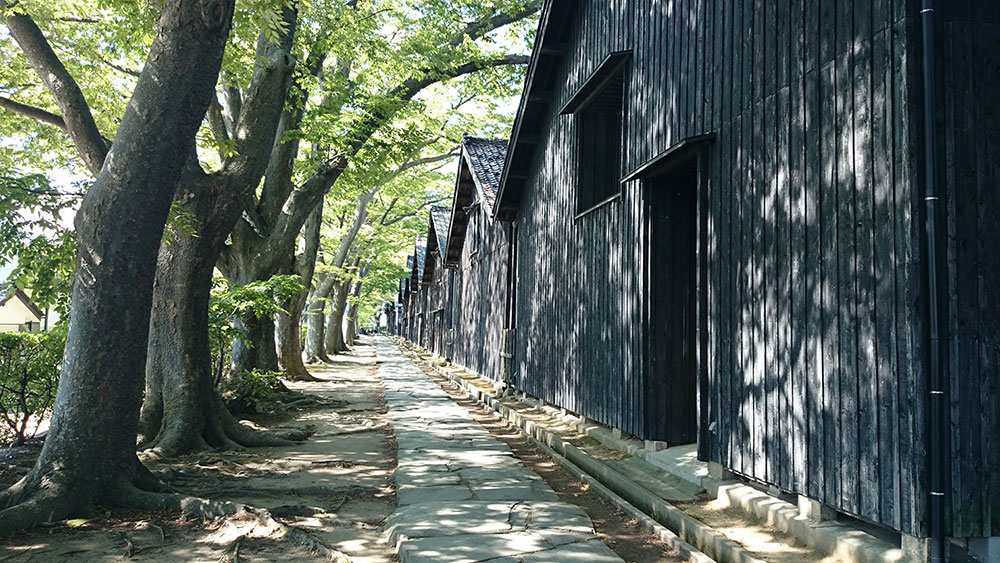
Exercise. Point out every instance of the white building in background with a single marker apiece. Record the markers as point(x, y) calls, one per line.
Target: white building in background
point(18, 313)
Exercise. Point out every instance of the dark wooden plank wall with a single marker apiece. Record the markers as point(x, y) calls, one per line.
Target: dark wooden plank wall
point(468, 344)
point(439, 302)
point(417, 308)
point(480, 298)
point(578, 300)
point(970, 173)
point(813, 288)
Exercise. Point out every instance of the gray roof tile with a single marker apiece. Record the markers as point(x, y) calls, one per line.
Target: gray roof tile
point(421, 253)
point(441, 217)
point(486, 157)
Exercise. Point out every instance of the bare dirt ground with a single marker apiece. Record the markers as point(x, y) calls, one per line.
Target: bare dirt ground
point(334, 490)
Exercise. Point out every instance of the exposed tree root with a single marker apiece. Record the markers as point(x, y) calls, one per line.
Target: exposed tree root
point(42, 501)
point(219, 430)
point(285, 532)
point(317, 358)
point(294, 399)
point(297, 372)
point(40, 498)
point(192, 506)
point(302, 376)
point(39, 509)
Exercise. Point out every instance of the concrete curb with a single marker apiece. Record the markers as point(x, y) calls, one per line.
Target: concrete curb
point(684, 549)
point(830, 537)
point(711, 544)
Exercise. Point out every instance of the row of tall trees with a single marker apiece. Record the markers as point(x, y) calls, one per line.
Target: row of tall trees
point(277, 137)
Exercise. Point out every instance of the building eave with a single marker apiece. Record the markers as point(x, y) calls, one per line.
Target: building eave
point(548, 53)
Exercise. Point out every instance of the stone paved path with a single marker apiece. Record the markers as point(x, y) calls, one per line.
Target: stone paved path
point(462, 495)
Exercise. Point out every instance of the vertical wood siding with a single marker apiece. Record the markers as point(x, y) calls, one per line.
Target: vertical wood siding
point(437, 314)
point(814, 346)
point(480, 298)
point(970, 176)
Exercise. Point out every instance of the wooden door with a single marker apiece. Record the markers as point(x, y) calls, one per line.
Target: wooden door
point(671, 363)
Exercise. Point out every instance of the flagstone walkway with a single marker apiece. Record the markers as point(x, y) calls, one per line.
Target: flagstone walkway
point(462, 495)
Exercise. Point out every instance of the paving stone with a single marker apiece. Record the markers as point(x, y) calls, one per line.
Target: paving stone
point(510, 475)
point(458, 459)
point(463, 496)
point(471, 548)
point(591, 551)
point(431, 519)
point(430, 443)
point(425, 463)
point(445, 432)
point(525, 492)
point(415, 495)
point(551, 515)
point(420, 477)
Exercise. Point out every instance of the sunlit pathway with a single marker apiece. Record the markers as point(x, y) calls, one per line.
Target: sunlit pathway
point(462, 495)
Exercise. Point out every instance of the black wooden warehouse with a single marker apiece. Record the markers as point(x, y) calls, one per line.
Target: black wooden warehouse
point(719, 238)
point(478, 252)
point(437, 283)
point(404, 299)
point(415, 307)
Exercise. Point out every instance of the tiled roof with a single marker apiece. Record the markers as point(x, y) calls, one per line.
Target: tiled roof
point(441, 217)
point(421, 253)
point(486, 157)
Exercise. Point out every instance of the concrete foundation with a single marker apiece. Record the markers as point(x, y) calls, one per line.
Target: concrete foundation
point(654, 445)
point(985, 550)
point(917, 549)
point(718, 472)
point(815, 510)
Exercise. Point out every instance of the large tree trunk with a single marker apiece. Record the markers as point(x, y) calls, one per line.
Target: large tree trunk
point(351, 332)
point(319, 297)
point(287, 335)
point(289, 326)
point(182, 410)
point(89, 458)
point(335, 343)
point(352, 309)
point(315, 351)
point(259, 351)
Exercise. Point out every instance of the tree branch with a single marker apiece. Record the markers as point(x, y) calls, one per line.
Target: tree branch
point(428, 160)
point(121, 69)
point(477, 29)
point(49, 192)
point(256, 124)
point(414, 213)
point(301, 202)
point(76, 112)
point(281, 164)
point(37, 114)
point(388, 210)
point(305, 262)
point(232, 103)
point(411, 87)
point(218, 124)
point(78, 20)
